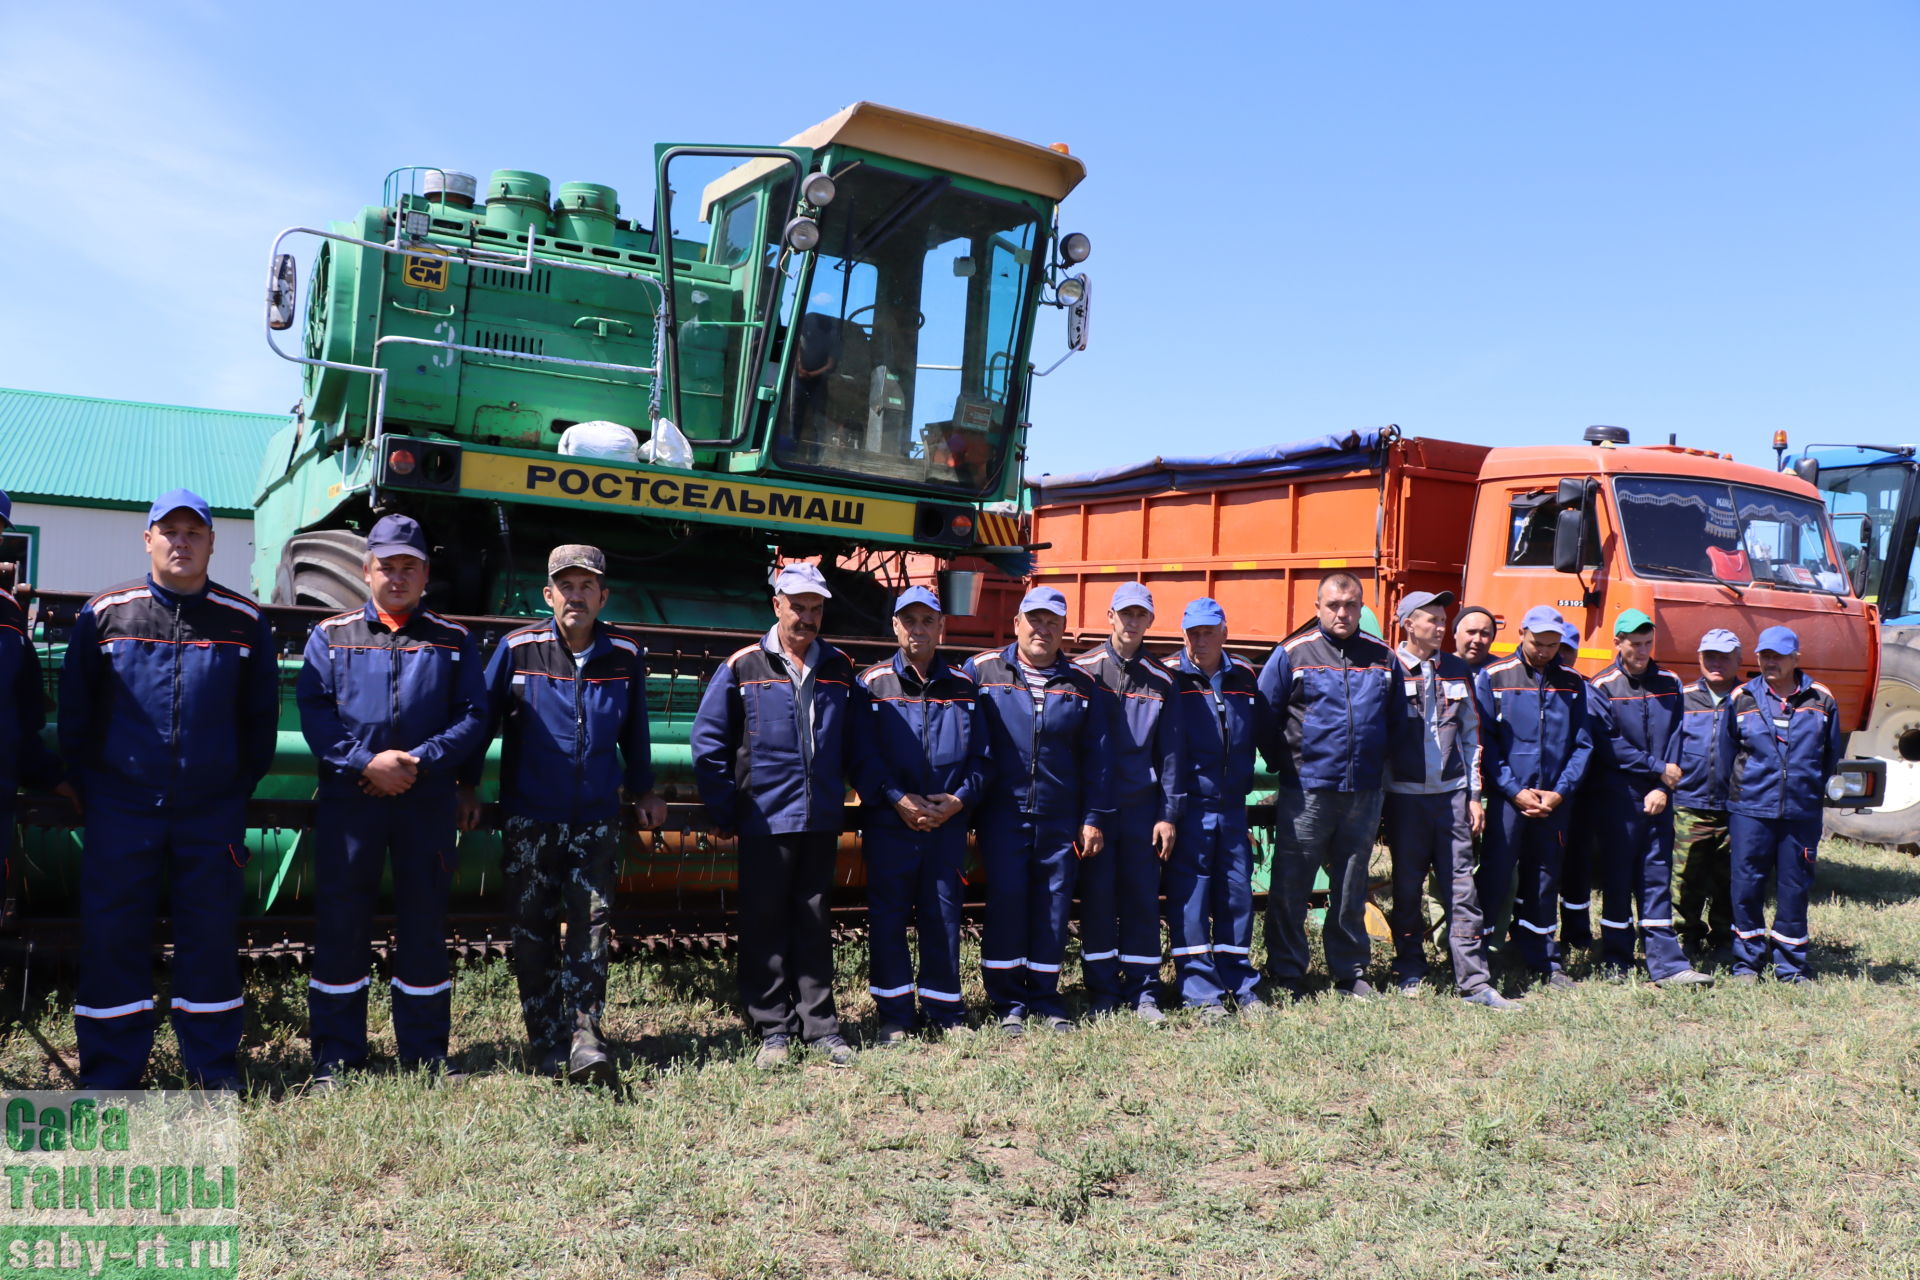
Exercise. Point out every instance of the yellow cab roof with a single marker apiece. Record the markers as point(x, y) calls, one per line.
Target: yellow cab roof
point(938, 144)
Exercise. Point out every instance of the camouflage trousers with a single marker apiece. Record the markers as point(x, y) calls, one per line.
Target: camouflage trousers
point(1702, 877)
point(560, 871)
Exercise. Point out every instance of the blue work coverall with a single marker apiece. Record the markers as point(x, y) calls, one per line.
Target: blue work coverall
point(1533, 735)
point(923, 737)
point(168, 709)
point(1120, 886)
point(1636, 862)
point(365, 688)
point(1777, 755)
point(1053, 774)
point(1209, 878)
point(23, 713)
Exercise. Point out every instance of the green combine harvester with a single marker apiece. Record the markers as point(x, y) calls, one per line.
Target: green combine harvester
point(821, 349)
point(817, 349)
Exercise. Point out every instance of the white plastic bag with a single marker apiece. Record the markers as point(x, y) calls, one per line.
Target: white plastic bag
point(600, 439)
point(668, 447)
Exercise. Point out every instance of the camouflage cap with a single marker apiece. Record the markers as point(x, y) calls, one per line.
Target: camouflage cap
point(577, 555)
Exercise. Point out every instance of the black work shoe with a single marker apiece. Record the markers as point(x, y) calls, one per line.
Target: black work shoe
point(1743, 978)
point(1357, 989)
point(1211, 1015)
point(551, 1063)
point(773, 1053)
point(838, 1052)
point(1685, 978)
point(888, 1034)
point(588, 1063)
point(1559, 980)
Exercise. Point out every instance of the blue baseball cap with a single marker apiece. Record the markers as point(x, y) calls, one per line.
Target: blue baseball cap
point(6, 510)
point(1719, 640)
point(1780, 640)
point(1204, 612)
point(1570, 634)
point(917, 595)
point(396, 536)
point(1543, 617)
point(1045, 598)
point(1129, 594)
point(799, 580)
point(179, 500)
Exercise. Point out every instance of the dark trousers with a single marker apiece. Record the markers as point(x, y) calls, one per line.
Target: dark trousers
point(1521, 868)
point(786, 933)
point(354, 839)
point(913, 879)
point(560, 871)
point(1314, 829)
point(1782, 850)
point(1030, 865)
point(1638, 877)
point(1434, 834)
point(199, 852)
point(1120, 910)
point(7, 834)
point(1210, 906)
point(1578, 867)
point(1703, 877)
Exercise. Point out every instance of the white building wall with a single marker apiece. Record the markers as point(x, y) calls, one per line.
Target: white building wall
point(88, 549)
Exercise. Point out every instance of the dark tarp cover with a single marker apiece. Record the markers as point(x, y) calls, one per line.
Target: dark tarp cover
point(1320, 453)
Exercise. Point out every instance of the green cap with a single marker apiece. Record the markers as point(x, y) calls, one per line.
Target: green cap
point(1630, 622)
point(1370, 622)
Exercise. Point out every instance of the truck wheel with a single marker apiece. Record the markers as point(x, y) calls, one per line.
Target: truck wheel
point(322, 568)
point(1893, 736)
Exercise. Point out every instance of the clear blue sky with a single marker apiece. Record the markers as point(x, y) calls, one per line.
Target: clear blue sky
point(1482, 221)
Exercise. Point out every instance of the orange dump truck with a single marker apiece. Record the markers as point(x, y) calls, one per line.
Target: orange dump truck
point(1693, 538)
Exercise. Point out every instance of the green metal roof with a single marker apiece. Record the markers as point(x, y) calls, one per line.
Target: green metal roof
point(120, 453)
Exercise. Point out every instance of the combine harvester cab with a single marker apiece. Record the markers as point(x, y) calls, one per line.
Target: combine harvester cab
point(818, 350)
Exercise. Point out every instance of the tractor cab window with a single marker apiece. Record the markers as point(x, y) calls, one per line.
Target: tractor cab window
point(903, 363)
point(1677, 528)
point(1864, 503)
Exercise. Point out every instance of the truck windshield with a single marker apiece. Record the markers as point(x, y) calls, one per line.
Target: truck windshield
point(904, 364)
point(1679, 528)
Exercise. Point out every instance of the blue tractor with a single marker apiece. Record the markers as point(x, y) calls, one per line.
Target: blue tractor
point(1872, 493)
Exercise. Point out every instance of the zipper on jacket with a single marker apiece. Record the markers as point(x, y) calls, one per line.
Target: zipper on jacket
point(1346, 676)
point(179, 763)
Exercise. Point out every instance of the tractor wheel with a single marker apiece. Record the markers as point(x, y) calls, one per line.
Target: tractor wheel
point(323, 568)
point(1893, 736)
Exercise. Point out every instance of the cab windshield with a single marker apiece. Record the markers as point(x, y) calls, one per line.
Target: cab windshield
point(904, 353)
point(1727, 532)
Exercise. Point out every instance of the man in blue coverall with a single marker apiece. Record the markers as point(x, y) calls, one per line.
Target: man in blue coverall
point(1534, 743)
point(23, 713)
point(572, 697)
point(1334, 715)
point(1120, 887)
point(1641, 703)
point(1779, 744)
point(770, 754)
point(168, 701)
point(1210, 875)
point(393, 703)
point(920, 763)
point(1047, 734)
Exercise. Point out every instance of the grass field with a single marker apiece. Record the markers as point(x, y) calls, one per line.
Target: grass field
point(1606, 1131)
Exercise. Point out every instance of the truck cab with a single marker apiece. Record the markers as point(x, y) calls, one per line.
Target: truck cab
point(1689, 536)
